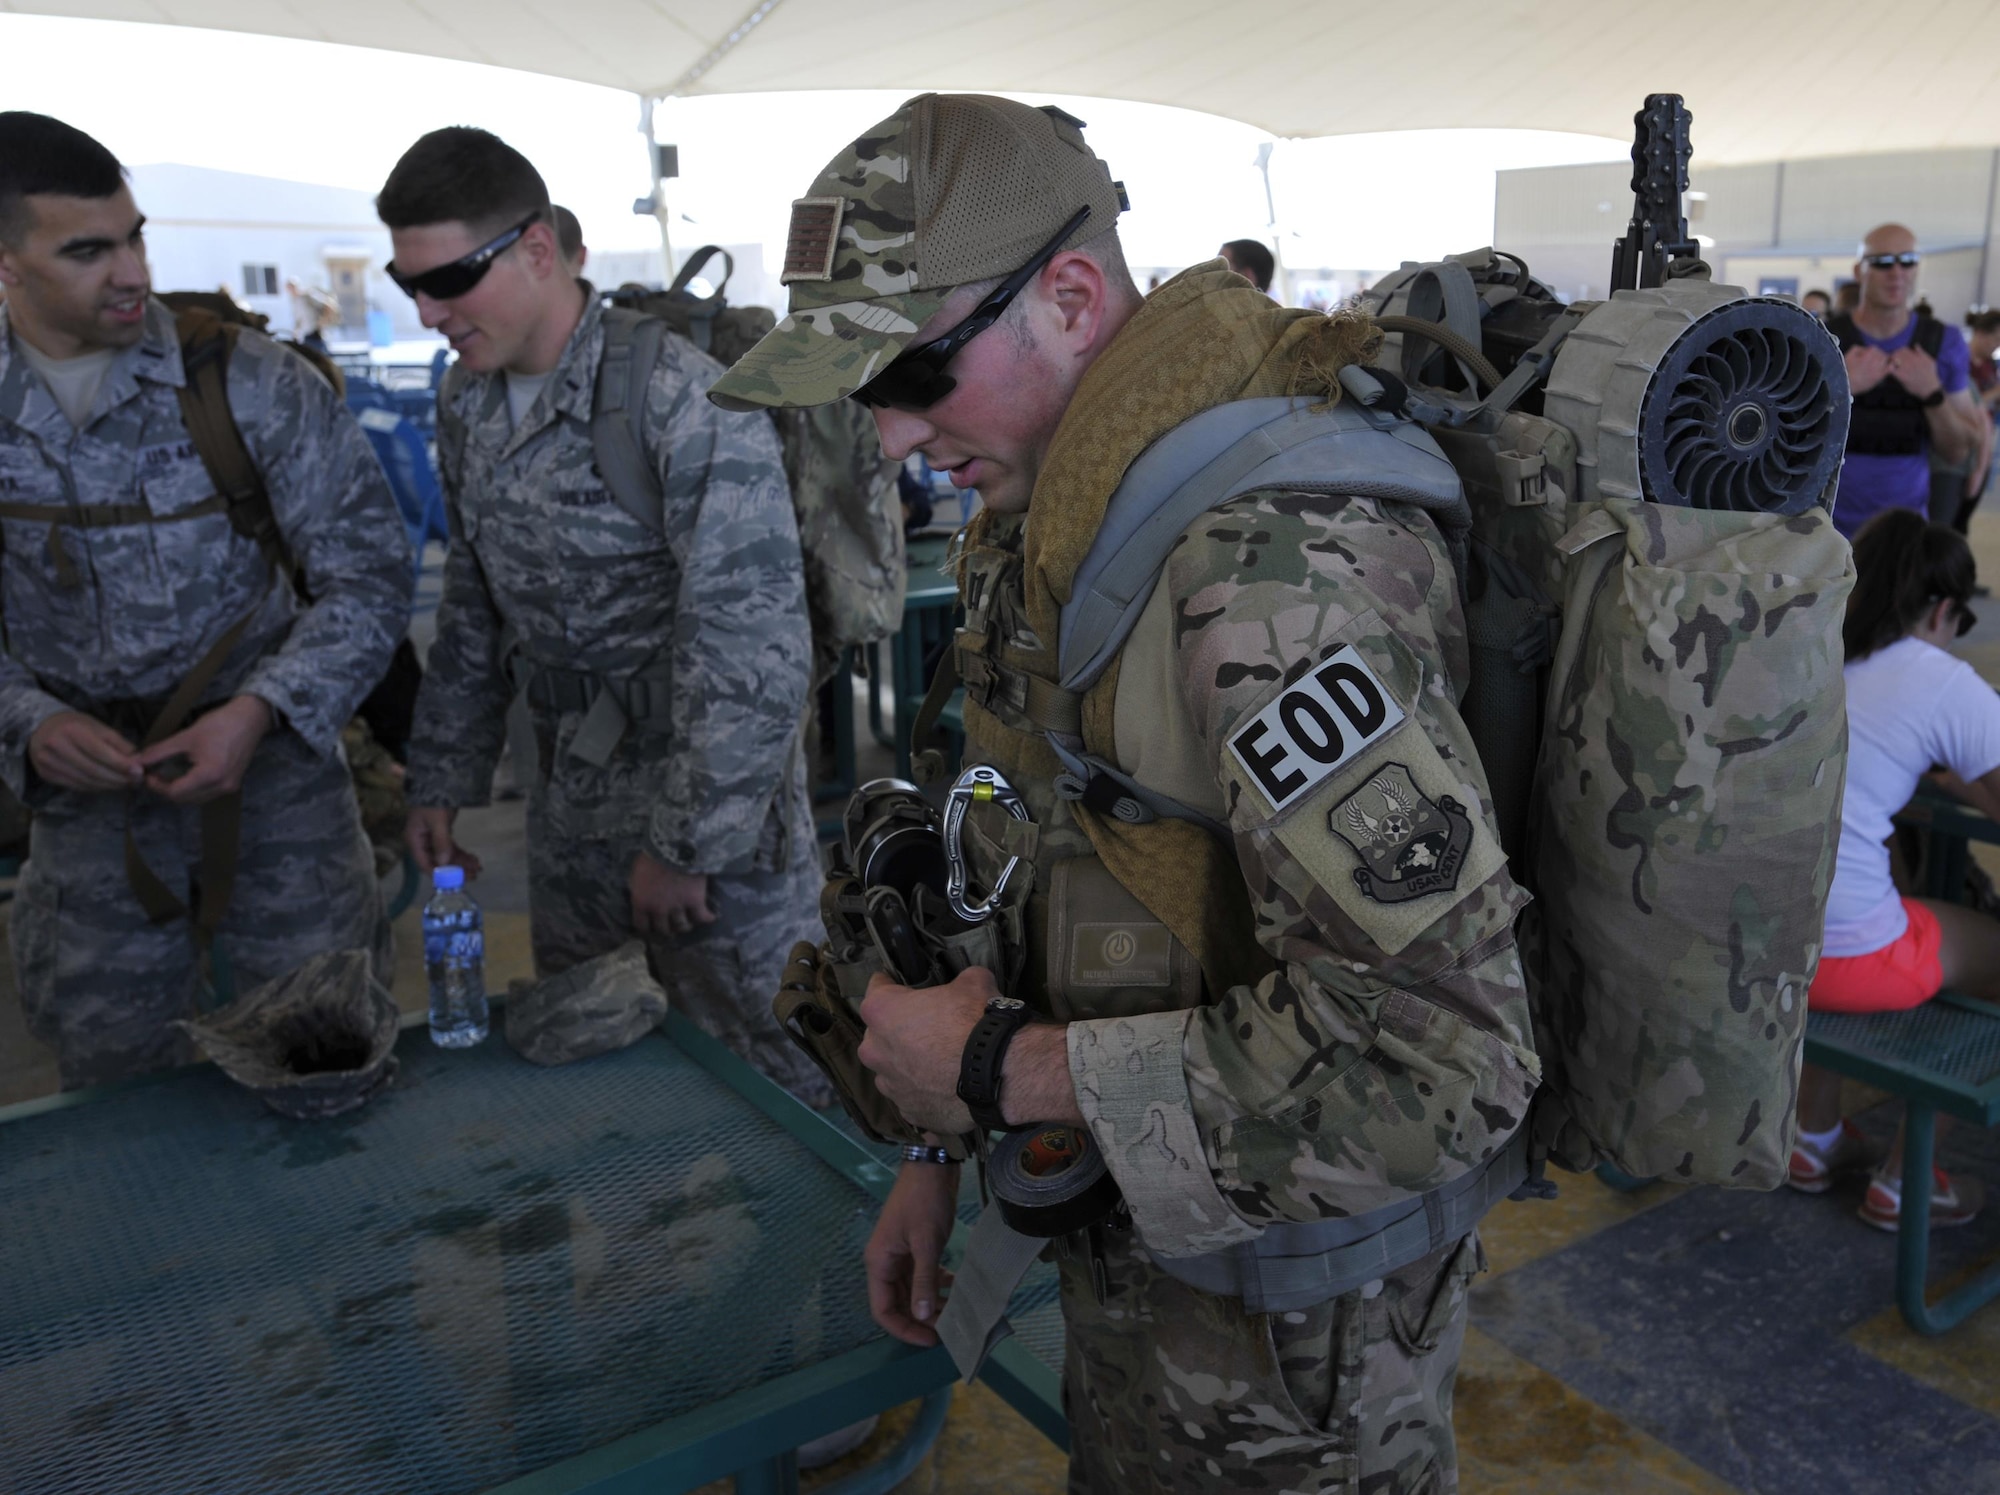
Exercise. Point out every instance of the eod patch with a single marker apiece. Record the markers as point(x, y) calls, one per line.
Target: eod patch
point(1323, 720)
point(1360, 800)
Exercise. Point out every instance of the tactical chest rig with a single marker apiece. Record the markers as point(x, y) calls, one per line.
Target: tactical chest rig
point(1889, 420)
point(1079, 941)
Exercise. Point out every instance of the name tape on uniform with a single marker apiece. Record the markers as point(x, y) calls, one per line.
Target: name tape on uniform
point(1318, 724)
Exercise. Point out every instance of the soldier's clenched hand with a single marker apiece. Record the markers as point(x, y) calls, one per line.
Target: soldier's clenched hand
point(427, 833)
point(915, 1041)
point(75, 751)
point(216, 750)
point(666, 900)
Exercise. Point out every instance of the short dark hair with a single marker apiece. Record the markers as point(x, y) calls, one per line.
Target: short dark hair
point(1983, 321)
point(43, 156)
point(569, 233)
point(1902, 564)
point(1253, 260)
point(462, 175)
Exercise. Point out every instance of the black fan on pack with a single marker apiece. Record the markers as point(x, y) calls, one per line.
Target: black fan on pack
point(1743, 413)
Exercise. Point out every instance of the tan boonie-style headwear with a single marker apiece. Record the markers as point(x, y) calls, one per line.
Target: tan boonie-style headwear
point(950, 189)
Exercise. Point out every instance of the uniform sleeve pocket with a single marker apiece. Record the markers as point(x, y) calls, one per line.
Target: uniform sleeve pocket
point(1341, 770)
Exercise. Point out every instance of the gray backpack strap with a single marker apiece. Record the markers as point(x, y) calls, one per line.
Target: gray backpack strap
point(1441, 292)
point(1109, 790)
point(451, 431)
point(632, 346)
point(1230, 450)
point(1294, 1264)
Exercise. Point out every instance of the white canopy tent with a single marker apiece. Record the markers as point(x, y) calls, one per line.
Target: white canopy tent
point(1783, 79)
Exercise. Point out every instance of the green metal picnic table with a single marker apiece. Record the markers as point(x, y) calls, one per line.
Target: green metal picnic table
point(1943, 1056)
point(641, 1272)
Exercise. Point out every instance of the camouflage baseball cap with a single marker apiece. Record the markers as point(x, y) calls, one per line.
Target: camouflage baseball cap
point(950, 189)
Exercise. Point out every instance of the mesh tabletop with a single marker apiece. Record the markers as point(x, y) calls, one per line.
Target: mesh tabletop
point(489, 1268)
point(1956, 1049)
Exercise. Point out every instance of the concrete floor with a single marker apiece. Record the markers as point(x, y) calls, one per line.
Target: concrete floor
point(1522, 1427)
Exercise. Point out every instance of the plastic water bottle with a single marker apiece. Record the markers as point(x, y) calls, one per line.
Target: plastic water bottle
point(455, 959)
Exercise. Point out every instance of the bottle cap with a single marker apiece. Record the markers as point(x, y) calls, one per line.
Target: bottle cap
point(443, 878)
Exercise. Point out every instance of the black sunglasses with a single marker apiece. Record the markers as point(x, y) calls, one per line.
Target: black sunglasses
point(916, 380)
point(442, 282)
point(1909, 259)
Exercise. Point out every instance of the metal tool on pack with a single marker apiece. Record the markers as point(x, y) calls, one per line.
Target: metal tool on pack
point(981, 782)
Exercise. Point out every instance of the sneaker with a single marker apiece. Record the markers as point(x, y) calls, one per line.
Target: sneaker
point(1951, 1203)
point(1813, 1170)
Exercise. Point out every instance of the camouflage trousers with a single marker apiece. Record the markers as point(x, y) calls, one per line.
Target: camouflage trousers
point(723, 975)
point(103, 985)
point(1173, 1390)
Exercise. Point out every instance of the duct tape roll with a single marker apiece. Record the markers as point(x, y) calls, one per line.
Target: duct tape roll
point(1050, 1180)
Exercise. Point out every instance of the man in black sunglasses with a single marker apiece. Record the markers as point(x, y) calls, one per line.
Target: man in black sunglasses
point(623, 603)
point(1913, 407)
point(1208, 913)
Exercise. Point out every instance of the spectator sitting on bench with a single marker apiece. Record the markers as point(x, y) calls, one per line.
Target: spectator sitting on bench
point(1910, 706)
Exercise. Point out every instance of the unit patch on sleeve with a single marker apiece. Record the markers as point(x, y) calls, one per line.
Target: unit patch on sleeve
point(1324, 720)
point(1409, 844)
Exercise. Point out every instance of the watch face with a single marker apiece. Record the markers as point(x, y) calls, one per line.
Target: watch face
point(1005, 1004)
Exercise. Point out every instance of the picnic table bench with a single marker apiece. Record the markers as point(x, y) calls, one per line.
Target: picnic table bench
point(1943, 1056)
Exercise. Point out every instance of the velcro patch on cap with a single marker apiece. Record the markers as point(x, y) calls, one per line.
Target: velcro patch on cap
point(1322, 721)
point(812, 239)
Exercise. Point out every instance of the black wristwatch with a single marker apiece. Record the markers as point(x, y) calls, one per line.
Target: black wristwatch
point(1934, 399)
point(985, 1049)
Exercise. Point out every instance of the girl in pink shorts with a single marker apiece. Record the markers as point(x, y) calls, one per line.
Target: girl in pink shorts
point(1911, 706)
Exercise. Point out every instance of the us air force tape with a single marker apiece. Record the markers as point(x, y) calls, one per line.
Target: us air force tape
point(1046, 1182)
point(1051, 1180)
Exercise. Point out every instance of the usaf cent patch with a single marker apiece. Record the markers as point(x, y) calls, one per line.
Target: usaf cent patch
point(1327, 718)
point(1410, 845)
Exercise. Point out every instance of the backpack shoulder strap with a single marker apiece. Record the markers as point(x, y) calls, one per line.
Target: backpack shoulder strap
point(1843, 331)
point(206, 345)
point(451, 428)
point(1929, 335)
point(1220, 454)
point(632, 346)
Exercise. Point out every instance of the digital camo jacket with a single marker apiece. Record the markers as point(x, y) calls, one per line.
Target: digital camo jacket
point(118, 610)
point(542, 553)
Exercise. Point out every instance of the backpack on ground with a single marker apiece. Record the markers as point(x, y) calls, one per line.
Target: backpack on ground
point(1654, 594)
point(843, 485)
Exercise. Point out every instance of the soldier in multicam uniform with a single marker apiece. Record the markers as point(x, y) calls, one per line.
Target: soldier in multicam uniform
point(656, 671)
point(121, 571)
point(1313, 1018)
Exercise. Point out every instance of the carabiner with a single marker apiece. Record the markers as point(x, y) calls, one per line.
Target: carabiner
point(981, 782)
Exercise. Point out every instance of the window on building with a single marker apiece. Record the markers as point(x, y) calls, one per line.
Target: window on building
point(260, 280)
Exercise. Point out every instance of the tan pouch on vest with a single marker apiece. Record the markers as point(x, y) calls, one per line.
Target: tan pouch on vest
point(810, 1007)
point(1108, 956)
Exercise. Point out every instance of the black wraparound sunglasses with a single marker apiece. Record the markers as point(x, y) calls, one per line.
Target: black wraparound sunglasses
point(455, 278)
point(916, 380)
point(1909, 259)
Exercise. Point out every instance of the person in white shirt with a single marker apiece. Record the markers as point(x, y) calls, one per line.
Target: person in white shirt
point(1912, 708)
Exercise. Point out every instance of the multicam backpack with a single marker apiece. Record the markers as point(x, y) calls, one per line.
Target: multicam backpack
point(843, 486)
point(1654, 597)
